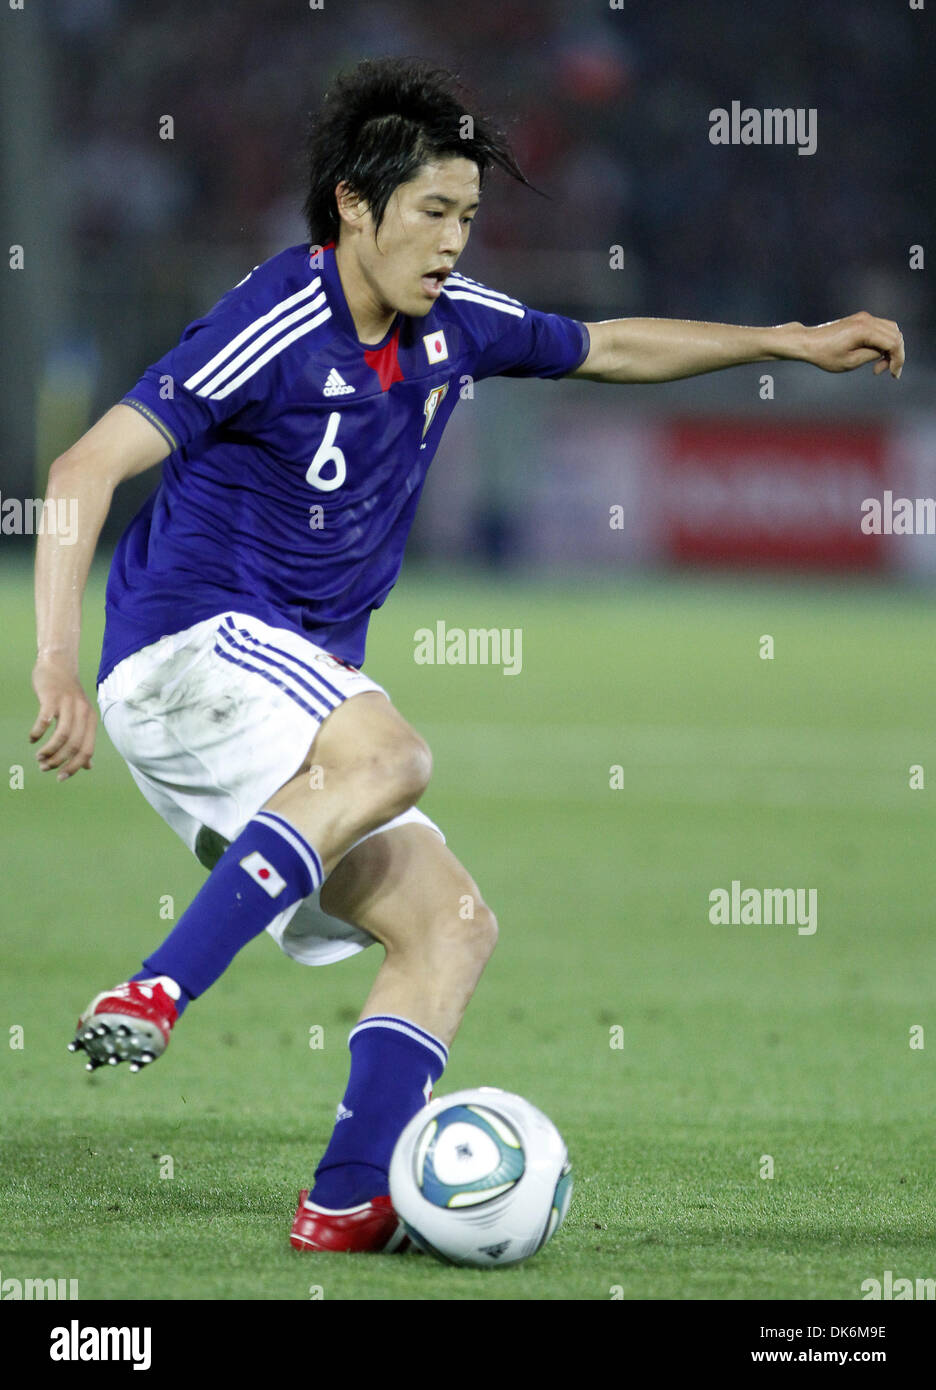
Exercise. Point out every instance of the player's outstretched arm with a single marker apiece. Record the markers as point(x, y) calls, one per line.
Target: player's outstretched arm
point(121, 444)
point(640, 350)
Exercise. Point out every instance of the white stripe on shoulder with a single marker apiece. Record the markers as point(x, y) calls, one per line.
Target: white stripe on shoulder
point(283, 307)
point(305, 311)
point(508, 308)
point(264, 358)
point(464, 282)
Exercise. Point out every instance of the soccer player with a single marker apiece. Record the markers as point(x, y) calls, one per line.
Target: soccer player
point(295, 424)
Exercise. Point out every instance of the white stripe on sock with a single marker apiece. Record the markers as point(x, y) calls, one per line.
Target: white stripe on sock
point(411, 1030)
point(306, 852)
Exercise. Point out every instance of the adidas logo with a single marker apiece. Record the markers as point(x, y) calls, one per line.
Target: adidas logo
point(336, 384)
point(343, 1113)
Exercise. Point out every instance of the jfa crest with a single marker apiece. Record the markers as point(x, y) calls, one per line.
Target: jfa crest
point(433, 401)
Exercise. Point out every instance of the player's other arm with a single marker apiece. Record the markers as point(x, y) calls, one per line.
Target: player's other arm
point(639, 350)
point(121, 444)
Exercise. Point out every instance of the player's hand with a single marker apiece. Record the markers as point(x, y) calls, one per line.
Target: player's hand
point(62, 699)
point(844, 344)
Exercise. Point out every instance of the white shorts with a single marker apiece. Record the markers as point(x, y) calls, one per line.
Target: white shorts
point(212, 721)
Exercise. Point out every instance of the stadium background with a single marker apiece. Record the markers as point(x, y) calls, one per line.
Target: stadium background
point(132, 236)
point(641, 646)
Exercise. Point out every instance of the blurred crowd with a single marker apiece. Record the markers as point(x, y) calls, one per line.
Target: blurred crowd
point(608, 110)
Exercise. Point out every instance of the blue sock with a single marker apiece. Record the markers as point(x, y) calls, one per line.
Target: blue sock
point(394, 1066)
point(266, 869)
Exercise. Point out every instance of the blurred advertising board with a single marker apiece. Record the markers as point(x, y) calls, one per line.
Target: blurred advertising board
point(772, 494)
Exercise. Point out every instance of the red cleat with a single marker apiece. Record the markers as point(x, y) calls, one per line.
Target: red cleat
point(372, 1226)
point(130, 1023)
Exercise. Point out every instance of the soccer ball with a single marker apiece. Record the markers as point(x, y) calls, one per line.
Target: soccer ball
point(480, 1177)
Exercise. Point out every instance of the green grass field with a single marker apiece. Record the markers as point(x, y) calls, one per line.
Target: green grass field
point(736, 1041)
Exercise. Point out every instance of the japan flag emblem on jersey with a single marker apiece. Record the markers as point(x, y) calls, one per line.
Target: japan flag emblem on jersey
point(436, 349)
point(263, 872)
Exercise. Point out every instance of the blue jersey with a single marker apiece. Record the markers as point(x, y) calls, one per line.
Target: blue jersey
point(299, 453)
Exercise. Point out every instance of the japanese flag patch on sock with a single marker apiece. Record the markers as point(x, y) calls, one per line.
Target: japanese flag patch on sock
point(263, 872)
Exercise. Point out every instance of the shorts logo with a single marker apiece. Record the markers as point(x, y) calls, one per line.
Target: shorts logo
point(436, 350)
point(263, 872)
point(335, 662)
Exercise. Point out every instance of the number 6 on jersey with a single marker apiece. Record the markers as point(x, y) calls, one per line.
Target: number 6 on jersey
point(328, 452)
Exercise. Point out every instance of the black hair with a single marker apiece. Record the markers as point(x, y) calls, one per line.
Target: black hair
point(378, 124)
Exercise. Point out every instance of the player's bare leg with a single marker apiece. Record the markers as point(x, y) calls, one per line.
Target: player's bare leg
point(411, 893)
point(365, 767)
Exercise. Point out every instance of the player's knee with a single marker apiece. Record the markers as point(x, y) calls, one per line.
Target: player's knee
point(472, 931)
point(479, 940)
point(403, 771)
point(391, 776)
point(384, 764)
point(418, 768)
point(485, 932)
